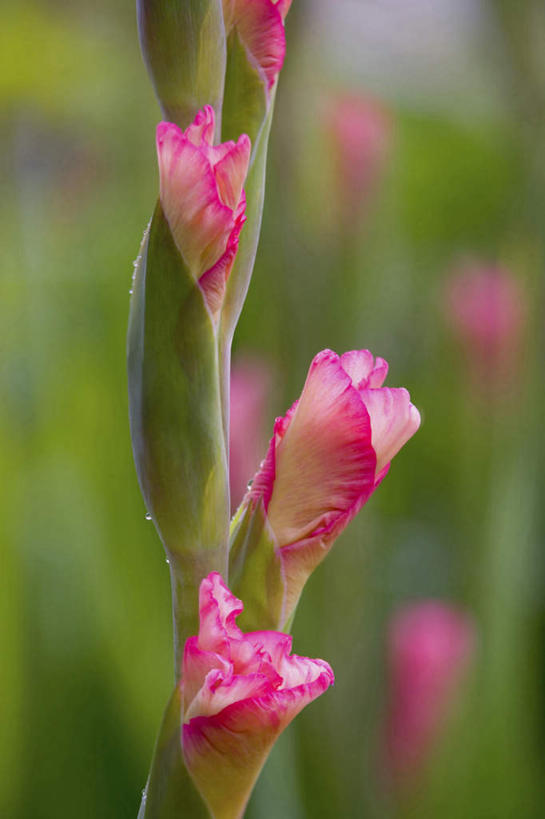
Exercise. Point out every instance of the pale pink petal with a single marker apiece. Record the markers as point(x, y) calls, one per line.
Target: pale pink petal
point(393, 421)
point(231, 172)
point(324, 461)
point(220, 690)
point(363, 369)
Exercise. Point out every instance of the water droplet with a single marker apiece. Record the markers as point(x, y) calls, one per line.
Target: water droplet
point(148, 516)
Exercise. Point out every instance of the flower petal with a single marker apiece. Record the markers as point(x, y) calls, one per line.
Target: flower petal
point(260, 25)
point(231, 172)
point(363, 369)
point(218, 609)
point(324, 462)
point(393, 421)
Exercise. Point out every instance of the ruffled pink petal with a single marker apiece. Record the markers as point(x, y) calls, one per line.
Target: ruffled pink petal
point(293, 670)
point(220, 690)
point(201, 130)
point(199, 221)
point(363, 369)
point(218, 609)
point(196, 665)
point(393, 421)
point(260, 26)
point(324, 461)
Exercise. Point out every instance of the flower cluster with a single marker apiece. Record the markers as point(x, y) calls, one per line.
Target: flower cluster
point(239, 693)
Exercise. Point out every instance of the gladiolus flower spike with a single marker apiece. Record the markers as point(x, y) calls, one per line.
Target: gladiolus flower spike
point(239, 693)
point(202, 196)
point(326, 457)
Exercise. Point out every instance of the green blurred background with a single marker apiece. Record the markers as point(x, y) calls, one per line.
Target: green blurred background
point(85, 631)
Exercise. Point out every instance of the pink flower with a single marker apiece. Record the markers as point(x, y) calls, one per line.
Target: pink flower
point(202, 196)
point(360, 132)
point(486, 308)
point(260, 27)
point(239, 693)
point(327, 456)
point(250, 387)
point(430, 647)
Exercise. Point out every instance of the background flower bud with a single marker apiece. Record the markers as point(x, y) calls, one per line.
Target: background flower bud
point(486, 308)
point(251, 382)
point(430, 646)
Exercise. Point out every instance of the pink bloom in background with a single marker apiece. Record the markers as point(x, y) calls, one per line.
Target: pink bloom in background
point(250, 389)
point(260, 27)
point(430, 646)
point(239, 693)
point(486, 307)
point(327, 456)
point(360, 132)
point(201, 190)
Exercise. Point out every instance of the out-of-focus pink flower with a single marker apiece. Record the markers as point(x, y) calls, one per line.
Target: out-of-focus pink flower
point(201, 190)
point(327, 455)
point(250, 388)
point(239, 693)
point(360, 131)
point(486, 307)
point(430, 647)
point(260, 26)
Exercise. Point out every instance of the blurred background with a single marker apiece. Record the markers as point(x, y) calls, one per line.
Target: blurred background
point(405, 213)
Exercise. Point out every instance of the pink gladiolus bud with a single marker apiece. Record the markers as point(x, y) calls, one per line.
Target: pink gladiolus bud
point(239, 693)
point(202, 196)
point(486, 308)
point(430, 647)
point(250, 387)
point(260, 27)
point(327, 455)
point(360, 132)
